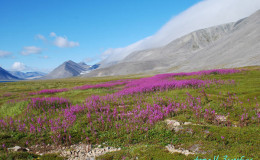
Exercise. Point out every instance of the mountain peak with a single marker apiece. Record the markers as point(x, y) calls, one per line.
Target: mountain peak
point(69, 61)
point(82, 63)
point(5, 75)
point(65, 70)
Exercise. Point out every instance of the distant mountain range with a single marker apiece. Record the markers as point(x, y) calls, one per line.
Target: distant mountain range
point(65, 70)
point(234, 44)
point(70, 69)
point(6, 76)
point(17, 75)
point(27, 75)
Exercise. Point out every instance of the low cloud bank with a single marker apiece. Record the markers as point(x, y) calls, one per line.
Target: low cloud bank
point(202, 15)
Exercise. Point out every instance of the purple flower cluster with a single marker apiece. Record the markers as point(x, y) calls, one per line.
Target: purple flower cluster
point(118, 112)
point(156, 84)
point(164, 82)
point(199, 73)
point(47, 103)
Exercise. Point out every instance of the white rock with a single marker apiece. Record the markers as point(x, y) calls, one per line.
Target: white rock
point(172, 149)
point(187, 123)
point(15, 148)
point(221, 118)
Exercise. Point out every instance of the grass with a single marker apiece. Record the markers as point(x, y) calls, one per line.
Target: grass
point(235, 99)
point(12, 109)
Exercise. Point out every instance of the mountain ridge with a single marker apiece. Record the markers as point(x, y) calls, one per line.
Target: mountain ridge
point(70, 69)
point(27, 75)
point(215, 47)
point(65, 70)
point(6, 76)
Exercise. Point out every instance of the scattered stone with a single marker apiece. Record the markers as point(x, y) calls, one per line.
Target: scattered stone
point(195, 148)
point(80, 151)
point(172, 149)
point(173, 122)
point(187, 123)
point(175, 125)
point(178, 128)
point(221, 118)
point(18, 148)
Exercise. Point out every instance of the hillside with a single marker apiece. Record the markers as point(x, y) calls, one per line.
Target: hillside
point(65, 70)
point(6, 76)
point(228, 45)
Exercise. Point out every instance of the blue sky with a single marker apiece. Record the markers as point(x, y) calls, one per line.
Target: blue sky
point(39, 35)
point(42, 34)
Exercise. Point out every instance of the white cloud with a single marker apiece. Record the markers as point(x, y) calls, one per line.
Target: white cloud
point(59, 41)
point(52, 34)
point(202, 15)
point(63, 42)
point(31, 50)
point(4, 54)
point(18, 66)
point(41, 37)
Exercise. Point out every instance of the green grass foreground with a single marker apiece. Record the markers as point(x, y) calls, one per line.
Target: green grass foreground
point(234, 139)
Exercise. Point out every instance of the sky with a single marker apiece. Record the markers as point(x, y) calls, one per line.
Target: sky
point(42, 34)
point(39, 35)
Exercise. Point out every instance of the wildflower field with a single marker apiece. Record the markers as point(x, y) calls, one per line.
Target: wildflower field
point(220, 110)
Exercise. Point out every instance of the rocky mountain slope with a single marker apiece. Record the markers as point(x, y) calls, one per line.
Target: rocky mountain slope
point(234, 44)
point(6, 76)
point(65, 70)
point(84, 65)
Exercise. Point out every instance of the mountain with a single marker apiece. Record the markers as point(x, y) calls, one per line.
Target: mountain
point(65, 70)
point(95, 66)
point(234, 44)
point(89, 69)
point(34, 75)
point(6, 76)
point(84, 65)
point(27, 75)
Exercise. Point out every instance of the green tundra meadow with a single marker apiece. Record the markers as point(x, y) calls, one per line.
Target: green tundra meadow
point(224, 116)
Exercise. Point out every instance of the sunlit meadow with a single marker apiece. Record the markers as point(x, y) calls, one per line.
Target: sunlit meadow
point(130, 112)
